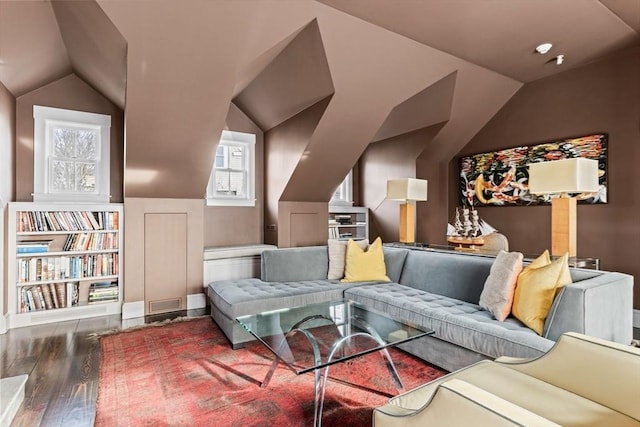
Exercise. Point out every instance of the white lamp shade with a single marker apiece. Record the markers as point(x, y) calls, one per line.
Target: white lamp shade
point(577, 175)
point(407, 189)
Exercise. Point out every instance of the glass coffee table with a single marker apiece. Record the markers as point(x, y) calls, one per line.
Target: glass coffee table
point(314, 337)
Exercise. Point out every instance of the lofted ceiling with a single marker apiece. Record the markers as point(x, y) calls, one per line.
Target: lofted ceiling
point(502, 35)
point(174, 66)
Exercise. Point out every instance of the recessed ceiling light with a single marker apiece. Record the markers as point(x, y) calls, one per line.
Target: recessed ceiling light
point(559, 59)
point(544, 48)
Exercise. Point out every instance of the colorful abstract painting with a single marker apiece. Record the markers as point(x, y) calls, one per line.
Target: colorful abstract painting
point(501, 178)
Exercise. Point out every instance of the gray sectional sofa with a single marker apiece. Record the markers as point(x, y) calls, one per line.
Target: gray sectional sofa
point(438, 290)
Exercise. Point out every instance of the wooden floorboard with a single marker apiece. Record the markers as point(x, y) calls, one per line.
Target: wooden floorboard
point(63, 363)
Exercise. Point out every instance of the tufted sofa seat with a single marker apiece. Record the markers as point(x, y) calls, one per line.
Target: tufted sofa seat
point(235, 298)
point(433, 289)
point(461, 323)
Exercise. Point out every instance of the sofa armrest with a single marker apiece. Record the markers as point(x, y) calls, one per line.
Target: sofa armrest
point(602, 371)
point(294, 264)
point(601, 306)
point(456, 402)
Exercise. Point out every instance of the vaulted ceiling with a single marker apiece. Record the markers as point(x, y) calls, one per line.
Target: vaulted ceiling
point(174, 66)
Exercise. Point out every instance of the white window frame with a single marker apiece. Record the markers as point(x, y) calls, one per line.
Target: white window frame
point(248, 142)
point(45, 118)
point(346, 191)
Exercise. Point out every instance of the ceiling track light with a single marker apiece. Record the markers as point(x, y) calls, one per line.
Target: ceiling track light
point(544, 48)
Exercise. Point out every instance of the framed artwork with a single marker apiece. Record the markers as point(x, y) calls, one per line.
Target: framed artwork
point(500, 178)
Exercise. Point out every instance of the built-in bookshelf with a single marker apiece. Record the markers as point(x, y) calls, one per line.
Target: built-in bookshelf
point(348, 222)
point(64, 261)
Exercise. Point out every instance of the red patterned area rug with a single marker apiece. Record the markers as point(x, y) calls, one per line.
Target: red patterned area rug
point(186, 374)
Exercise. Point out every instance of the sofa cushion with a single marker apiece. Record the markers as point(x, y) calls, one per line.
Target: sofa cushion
point(337, 256)
point(497, 294)
point(464, 324)
point(459, 276)
point(536, 290)
point(362, 265)
point(295, 264)
point(394, 261)
point(250, 296)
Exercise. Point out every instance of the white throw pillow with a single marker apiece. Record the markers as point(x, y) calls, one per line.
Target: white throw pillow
point(338, 255)
point(500, 286)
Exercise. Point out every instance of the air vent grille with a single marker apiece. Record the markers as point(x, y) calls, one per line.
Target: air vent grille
point(164, 306)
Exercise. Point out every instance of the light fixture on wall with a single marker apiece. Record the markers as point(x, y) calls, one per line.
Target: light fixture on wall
point(409, 191)
point(559, 178)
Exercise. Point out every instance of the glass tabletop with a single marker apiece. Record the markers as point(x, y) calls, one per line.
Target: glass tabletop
point(314, 336)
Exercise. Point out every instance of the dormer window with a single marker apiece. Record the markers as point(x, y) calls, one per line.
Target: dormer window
point(232, 180)
point(71, 156)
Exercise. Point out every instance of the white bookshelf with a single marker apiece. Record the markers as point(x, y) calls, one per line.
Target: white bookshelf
point(348, 222)
point(92, 234)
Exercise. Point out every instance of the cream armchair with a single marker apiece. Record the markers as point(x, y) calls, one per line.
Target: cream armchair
point(581, 381)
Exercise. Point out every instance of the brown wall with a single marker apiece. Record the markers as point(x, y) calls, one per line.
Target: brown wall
point(71, 93)
point(7, 148)
point(284, 147)
point(230, 225)
point(601, 97)
point(392, 158)
point(7, 144)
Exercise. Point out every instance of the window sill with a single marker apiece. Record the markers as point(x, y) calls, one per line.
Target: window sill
point(250, 203)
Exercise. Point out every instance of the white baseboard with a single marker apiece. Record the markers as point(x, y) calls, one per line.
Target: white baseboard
point(636, 318)
point(3, 323)
point(196, 301)
point(134, 309)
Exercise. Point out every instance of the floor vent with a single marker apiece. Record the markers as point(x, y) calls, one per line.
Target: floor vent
point(165, 305)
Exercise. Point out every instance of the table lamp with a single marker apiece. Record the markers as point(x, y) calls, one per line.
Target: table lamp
point(409, 191)
point(560, 177)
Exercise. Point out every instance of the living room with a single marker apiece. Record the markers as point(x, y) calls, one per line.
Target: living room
point(327, 88)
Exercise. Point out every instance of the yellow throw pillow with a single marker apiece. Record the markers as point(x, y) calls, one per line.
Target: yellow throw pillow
point(361, 265)
point(536, 288)
point(541, 261)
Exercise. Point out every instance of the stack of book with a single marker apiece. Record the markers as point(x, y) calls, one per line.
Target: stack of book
point(100, 292)
point(33, 246)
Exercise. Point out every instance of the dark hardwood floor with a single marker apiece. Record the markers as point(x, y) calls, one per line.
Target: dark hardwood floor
point(62, 361)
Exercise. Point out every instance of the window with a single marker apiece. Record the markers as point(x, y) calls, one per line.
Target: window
point(71, 155)
point(344, 192)
point(232, 180)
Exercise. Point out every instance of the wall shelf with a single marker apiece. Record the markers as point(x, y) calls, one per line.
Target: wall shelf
point(348, 222)
point(54, 284)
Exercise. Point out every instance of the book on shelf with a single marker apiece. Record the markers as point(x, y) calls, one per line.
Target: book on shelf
point(48, 296)
point(54, 295)
point(73, 293)
point(61, 290)
point(343, 219)
point(30, 221)
point(33, 246)
point(100, 292)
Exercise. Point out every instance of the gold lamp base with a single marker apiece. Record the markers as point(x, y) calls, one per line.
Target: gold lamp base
point(407, 223)
point(564, 226)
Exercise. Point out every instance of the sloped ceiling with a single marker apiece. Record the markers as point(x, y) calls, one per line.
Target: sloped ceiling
point(43, 41)
point(295, 79)
point(502, 35)
point(32, 52)
point(187, 60)
point(97, 51)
